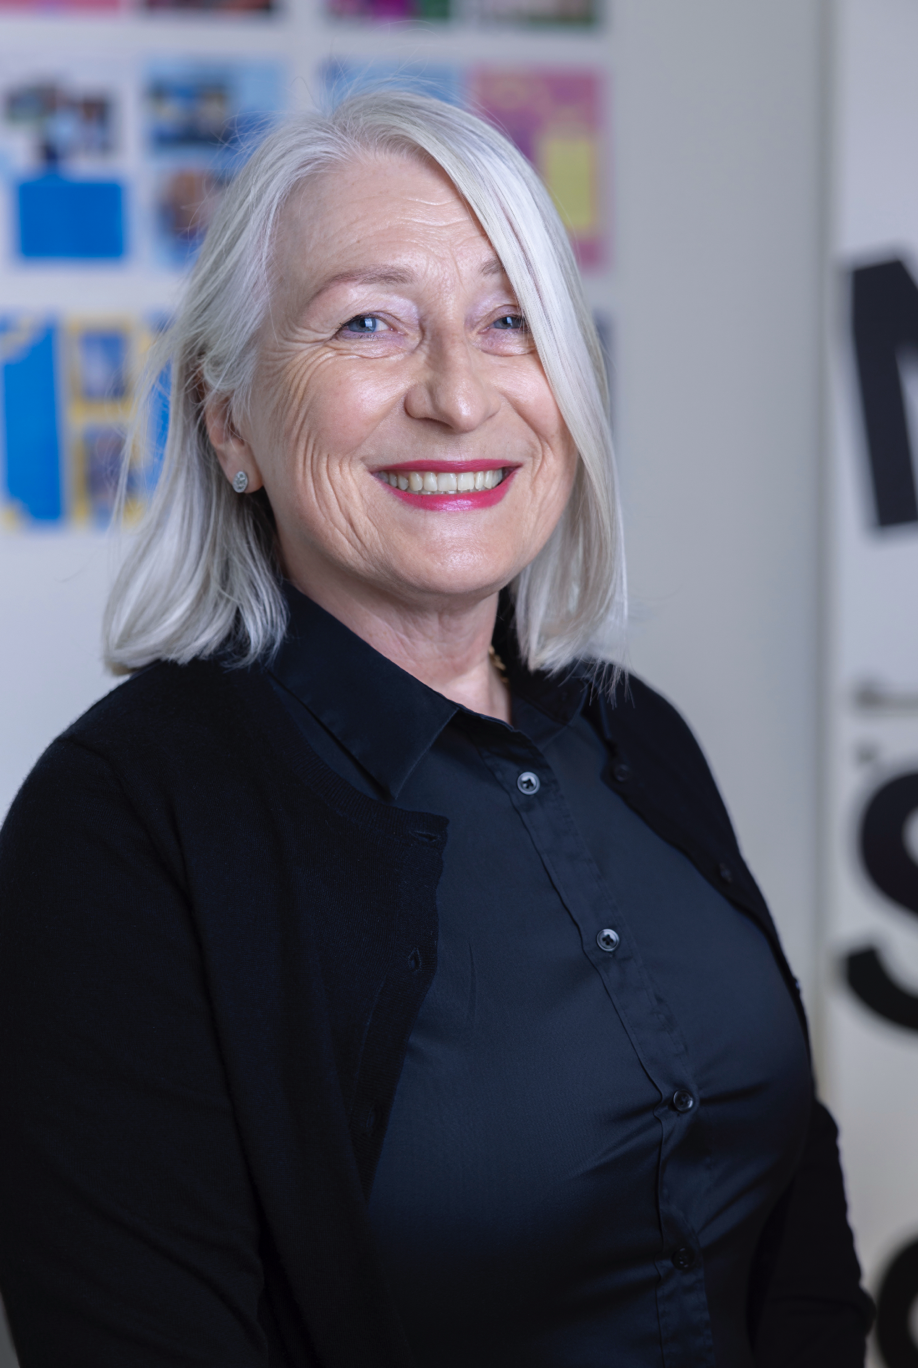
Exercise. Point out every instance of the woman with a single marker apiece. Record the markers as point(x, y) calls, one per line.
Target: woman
point(382, 982)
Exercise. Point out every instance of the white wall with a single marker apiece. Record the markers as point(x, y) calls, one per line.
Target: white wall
point(52, 589)
point(719, 209)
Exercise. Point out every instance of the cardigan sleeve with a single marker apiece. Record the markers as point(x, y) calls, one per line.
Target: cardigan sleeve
point(807, 1306)
point(129, 1232)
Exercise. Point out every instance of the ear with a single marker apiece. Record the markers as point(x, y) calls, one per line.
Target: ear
point(233, 451)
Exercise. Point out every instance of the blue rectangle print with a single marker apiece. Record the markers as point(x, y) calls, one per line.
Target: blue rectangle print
point(30, 420)
point(213, 112)
point(73, 220)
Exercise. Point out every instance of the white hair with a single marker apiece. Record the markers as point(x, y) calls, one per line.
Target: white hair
point(201, 576)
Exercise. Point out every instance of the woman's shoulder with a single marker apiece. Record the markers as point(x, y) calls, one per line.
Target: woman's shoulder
point(183, 696)
point(637, 717)
point(176, 744)
point(159, 730)
point(660, 770)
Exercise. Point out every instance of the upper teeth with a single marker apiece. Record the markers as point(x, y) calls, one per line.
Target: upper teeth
point(431, 482)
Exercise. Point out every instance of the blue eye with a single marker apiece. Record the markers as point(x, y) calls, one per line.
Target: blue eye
point(362, 323)
point(511, 323)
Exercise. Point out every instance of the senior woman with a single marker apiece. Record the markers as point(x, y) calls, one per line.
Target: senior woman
point(382, 982)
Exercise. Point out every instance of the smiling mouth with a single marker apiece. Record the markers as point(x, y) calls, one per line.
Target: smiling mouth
point(443, 482)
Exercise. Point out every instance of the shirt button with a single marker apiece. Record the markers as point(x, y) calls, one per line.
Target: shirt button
point(621, 771)
point(528, 782)
point(683, 1101)
point(725, 872)
point(683, 1258)
point(608, 940)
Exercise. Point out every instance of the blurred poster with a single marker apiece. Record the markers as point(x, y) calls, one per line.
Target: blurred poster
point(62, 150)
point(58, 6)
point(101, 364)
point(571, 13)
point(30, 448)
point(554, 116)
point(201, 121)
point(528, 12)
point(391, 11)
point(872, 703)
point(212, 6)
point(67, 388)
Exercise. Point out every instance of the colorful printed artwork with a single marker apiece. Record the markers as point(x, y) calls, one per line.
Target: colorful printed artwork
point(100, 365)
point(58, 6)
point(64, 123)
point(29, 431)
point(66, 390)
point(554, 117)
point(201, 121)
point(529, 12)
point(582, 13)
point(390, 11)
point(71, 139)
point(212, 6)
point(60, 138)
point(61, 219)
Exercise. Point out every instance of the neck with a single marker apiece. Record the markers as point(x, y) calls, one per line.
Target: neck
point(447, 648)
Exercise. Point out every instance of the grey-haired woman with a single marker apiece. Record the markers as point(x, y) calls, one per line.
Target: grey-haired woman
point(382, 983)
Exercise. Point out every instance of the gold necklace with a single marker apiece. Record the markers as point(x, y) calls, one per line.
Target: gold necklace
point(499, 666)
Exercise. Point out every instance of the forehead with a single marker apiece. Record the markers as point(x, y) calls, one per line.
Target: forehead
point(378, 209)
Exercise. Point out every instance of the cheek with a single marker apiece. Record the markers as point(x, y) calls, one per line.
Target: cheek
point(329, 408)
point(535, 403)
point(554, 479)
point(559, 462)
point(547, 420)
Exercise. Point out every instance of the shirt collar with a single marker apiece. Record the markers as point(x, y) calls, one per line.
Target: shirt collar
point(383, 716)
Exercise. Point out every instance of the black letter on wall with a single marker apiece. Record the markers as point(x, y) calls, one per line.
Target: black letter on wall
point(889, 864)
point(885, 323)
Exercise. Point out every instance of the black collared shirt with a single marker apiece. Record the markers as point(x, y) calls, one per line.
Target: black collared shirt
point(607, 1087)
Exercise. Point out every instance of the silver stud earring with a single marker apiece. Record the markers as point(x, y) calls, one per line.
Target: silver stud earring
point(240, 482)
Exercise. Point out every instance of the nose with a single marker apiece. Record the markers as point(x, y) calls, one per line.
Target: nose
point(453, 387)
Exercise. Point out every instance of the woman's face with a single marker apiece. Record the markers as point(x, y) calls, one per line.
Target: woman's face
point(394, 360)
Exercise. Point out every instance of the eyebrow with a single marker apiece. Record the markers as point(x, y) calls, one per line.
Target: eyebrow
point(393, 275)
point(383, 275)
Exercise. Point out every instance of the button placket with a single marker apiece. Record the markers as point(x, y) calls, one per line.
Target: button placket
point(655, 1037)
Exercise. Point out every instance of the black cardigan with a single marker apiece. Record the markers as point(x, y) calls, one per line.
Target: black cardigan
point(212, 953)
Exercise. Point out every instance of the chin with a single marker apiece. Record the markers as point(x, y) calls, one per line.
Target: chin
point(451, 568)
point(455, 585)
